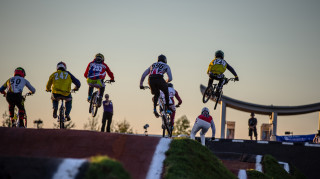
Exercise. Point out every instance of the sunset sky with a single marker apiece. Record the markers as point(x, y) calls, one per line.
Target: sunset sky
point(274, 46)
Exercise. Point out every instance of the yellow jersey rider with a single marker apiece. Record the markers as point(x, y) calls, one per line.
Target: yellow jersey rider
point(217, 67)
point(60, 84)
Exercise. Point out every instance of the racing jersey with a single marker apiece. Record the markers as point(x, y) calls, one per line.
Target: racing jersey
point(157, 69)
point(172, 93)
point(97, 71)
point(210, 121)
point(218, 66)
point(60, 82)
point(16, 85)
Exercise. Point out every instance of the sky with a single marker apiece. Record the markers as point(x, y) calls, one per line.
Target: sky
point(273, 46)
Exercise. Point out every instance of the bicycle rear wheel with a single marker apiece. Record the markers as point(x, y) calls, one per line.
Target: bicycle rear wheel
point(207, 94)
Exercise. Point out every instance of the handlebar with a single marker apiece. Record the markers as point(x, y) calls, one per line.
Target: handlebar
point(109, 81)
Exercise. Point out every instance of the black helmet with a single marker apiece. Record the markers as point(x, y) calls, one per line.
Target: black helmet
point(219, 54)
point(61, 66)
point(162, 58)
point(99, 58)
point(170, 85)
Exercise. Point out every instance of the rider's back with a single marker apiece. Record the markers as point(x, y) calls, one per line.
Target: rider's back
point(217, 66)
point(61, 82)
point(97, 71)
point(17, 83)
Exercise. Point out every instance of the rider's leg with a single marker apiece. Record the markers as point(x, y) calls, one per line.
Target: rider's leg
point(101, 91)
point(68, 109)
point(164, 88)
point(21, 108)
point(194, 130)
point(173, 114)
point(55, 104)
point(156, 92)
point(204, 126)
point(11, 102)
point(90, 91)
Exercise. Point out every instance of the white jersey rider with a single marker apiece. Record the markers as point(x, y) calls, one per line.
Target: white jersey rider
point(203, 122)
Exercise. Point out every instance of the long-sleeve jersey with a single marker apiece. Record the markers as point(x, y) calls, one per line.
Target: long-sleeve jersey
point(16, 85)
point(60, 81)
point(96, 71)
point(219, 66)
point(157, 69)
point(210, 121)
point(172, 93)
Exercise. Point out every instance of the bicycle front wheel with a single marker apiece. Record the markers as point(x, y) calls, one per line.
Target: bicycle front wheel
point(207, 94)
point(166, 126)
point(93, 109)
point(218, 99)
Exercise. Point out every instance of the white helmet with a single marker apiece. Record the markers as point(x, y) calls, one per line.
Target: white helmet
point(205, 110)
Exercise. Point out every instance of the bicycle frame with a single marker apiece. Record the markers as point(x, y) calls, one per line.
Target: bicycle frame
point(93, 108)
point(214, 92)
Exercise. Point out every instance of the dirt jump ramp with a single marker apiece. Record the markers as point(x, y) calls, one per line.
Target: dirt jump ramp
point(134, 152)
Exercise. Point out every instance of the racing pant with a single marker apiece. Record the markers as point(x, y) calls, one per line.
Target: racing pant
point(15, 99)
point(220, 78)
point(204, 126)
point(96, 84)
point(68, 102)
point(157, 83)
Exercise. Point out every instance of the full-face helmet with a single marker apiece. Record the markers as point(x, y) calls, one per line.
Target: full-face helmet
point(61, 66)
point(20, 72)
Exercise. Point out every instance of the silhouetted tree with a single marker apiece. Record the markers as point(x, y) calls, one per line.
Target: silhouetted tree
point(92, 124)
point(6, 118)
point(181, 126)
point(67, 125)
point(123, 127)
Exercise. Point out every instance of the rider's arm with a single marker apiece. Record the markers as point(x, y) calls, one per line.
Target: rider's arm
point(229, 67)
point(30, 87)
point(178, 97)
point(87, 71)
point(49, 84)
point(75, 81)
point(3, 87)
point(213, 128)
point(110, 74)
point(169, 75)
point(145, 73)
point(209, 67)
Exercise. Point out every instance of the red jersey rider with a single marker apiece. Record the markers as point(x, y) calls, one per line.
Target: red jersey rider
point(95, 74)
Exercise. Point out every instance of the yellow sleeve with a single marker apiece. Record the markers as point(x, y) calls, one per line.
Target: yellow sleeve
point(49, 84)
point(209, 67)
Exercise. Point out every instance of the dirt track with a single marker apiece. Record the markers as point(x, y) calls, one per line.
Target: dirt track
point(134, 152)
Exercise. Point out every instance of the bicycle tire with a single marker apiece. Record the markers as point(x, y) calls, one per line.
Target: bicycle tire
point(93, 108)
point(207, 94)
point(61, 117)
point(217, 100)
point(167, 127)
